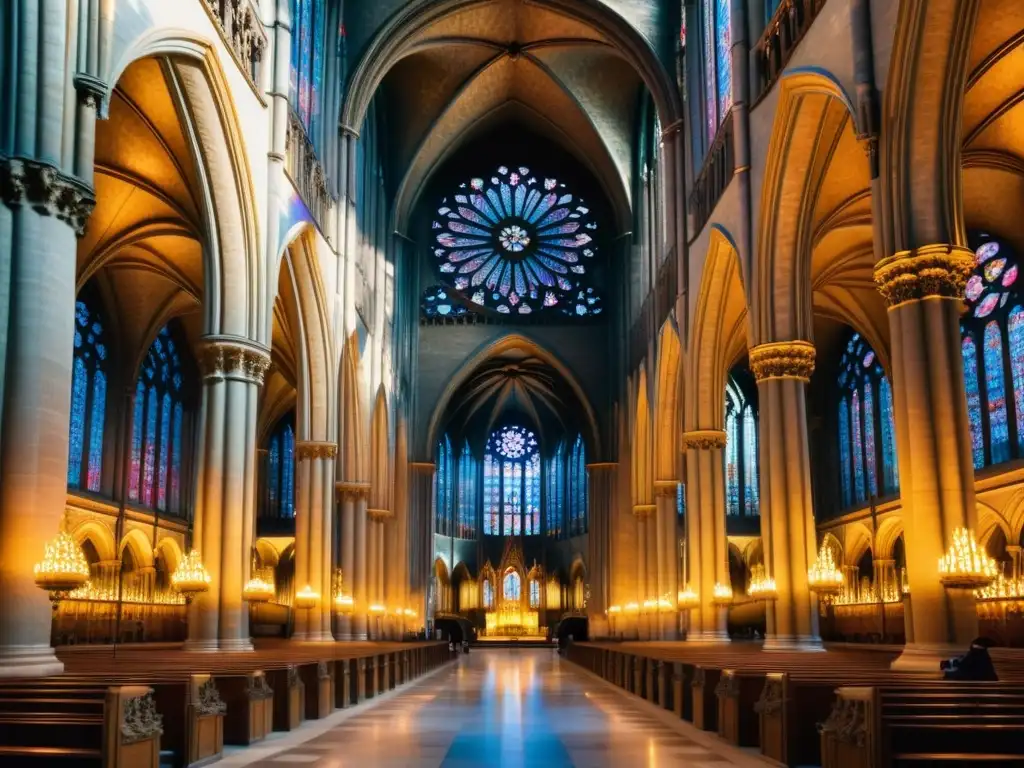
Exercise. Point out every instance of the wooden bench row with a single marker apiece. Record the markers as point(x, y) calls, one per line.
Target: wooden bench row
point(129, 718)
point(766, 700)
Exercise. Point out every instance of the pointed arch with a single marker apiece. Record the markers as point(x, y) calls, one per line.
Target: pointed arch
point(380, 454)
point(99, 536)
point(889, 531)
point(168, 550)
point(642, 471)
point(351, 429)
point(667, 404)
point(140, 546)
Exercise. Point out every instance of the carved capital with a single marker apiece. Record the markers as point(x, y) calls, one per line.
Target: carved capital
point(932, 271)
point(379, 515)
point(783, 360)
point(233, 358)
point(665, 488)
point(91, 90)
point(703, 440)
point(644, 510)
point(315, 449)
point(139, 719)
point(348, 490)
point(47, 190)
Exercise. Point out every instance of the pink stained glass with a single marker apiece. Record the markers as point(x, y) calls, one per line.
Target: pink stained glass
point(858, 449)
point(149, 461)
point(993, 269)
point(986, 251)
point(137, 426)
point(989, 303)
point(1010, 276)
point(970, 358)
point(1015, 333)
point(975, 285)
point(710, 90)
point(869, 438)
point(995, 389)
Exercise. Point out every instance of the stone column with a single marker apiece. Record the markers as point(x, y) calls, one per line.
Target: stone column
point(421, 510)
point(347, 514)
point(782, 371)
point(668, 561)
point(1013, 550)
point(924, 291)
point(706, 543)
point(375, 546)
point(644, 514)
point(233, 371)
point(354, 550)
point(599, 497)
point(885, 578)
point(315, 460)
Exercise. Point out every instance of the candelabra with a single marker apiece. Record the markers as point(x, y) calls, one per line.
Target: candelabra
point(965, 566)
point(306, 599)
point(342, 600)
point(687, 598)
point(258, 590)
point(824, 577)
point(721, 595)
point(63, 568)
point(761, 586)
point(190, 578)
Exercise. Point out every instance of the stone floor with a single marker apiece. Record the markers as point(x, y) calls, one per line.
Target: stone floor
point(500, 709)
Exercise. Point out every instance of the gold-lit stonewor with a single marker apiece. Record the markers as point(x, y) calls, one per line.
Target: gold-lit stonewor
point(965, 565)
point(62, 569)
point(190, 578)
point(258, 590)
point(824, 577)
point(306, 599)
point(343, 601)
point(722, 594)
point(762, 587)
point(687, 598)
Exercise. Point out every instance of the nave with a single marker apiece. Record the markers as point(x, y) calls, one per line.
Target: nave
point(500, 709)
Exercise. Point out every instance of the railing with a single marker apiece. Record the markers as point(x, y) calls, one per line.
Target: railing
point(306, 171)
point(719, 166)
point(82, 622)
point(242, 31)
point(787, 27)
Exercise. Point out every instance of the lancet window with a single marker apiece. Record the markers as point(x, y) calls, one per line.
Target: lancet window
point(742, 496)
point(280, 468)
point(88, 400)
point(309, 25)
point(444, 486)
point(512, 478)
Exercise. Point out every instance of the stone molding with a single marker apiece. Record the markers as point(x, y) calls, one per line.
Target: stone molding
point(665, 488)
point(91, 90)
point(379, 515)
point(932, 271)
point(703, 439)
point(783, 360)
point(47, 190)
point(603, 465)
point(233, 358)
point(315, 449)
point(644, 510)
point(423, 466)
point(350, 490)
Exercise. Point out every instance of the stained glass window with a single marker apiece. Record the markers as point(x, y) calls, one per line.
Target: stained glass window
point(280, 503)
point(307, 66)
point(157, 431)
point(867, 448)
point(680, 499)
point(993, 354)
point(531, 521)
point(488, 594)
point(88, 400)
point(467, 494)
point(534, 593)
point(517, 243)
point(578, 488)
point(438, 301)
point(444, 486)
point(492, 495)
point(511, 588)
point(717, 63)
point(740, 455)
point(509, 456)
point(555, 493)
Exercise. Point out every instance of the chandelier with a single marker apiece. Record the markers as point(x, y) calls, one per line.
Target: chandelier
point(824, 577)
point(1002, 589)
point(965, 566)
point(306, 599)
point(258, 590)
point(761, 586)
point(62, 569)
point(190, 578)
point(687, 598)
point(722, 594)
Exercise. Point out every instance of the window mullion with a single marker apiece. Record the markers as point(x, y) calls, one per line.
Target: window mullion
point(986, 430)
point(1008, 386)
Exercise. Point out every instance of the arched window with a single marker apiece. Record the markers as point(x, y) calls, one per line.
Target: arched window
point(742, 497)
point(578, 488)
point(511, 482)
point(158, 426)
point(281, 471)
point(517, 243)
point(467, 494)
point(88, 400)
point(992, 346)
point(555, 497)
point(717, 63)
point(488, 590)
point(308, 39)
point(512, 585)
point(534, 593)
point(867, 444)
point(445, 487)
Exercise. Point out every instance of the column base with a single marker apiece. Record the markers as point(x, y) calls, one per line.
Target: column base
point(809, 643)
point(29, 661)
point(924, 659)
point(711, 636)
point(312, 637)
point(236, 645)
point(201, 646)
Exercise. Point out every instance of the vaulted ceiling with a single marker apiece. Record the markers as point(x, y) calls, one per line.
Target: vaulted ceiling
point(507, 61)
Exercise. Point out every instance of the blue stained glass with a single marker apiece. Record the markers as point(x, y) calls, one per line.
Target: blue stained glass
point(316, 73)
point(970, 358)
point(176, 457)
point(512, 587)
point(79, 392)
point(1015, 329)
point(732, 463)
point(710, 89)
point(488, 594)
point(96, 420)
point(998, 428)
point(531, 526)
point(579, 511)
point(534, 593)
point(288, 472)
point(305, 58)
point(890, 472)
point(844, 452)
point(165, 454)
point(723, 58)
point(273, 473)
point(751, 494)
point(492, 500)
point(858, 448)
point(869, 438)
point(149, 458)
point(140, 404)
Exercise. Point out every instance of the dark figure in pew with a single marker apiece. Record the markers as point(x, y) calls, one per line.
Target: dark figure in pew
point(975, 665)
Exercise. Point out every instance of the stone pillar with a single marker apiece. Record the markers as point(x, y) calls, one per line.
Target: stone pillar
point(421, 511)
point(782, 371)
point(644, 514)
point(706, 543)
point(315, 462)
point(353, 556)
point(668, 561)
point(599, 498)
point(377, 520)
point(1013, 550)
point(233, 371)
point(885, 578)
point(924, 291)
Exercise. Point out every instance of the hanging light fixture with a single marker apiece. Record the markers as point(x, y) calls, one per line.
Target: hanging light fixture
point(824, 577)
point(687, 598)
point(258, 590)
point(965, 566)
point(63, 568)
point(306, 599)
point(190, 577)
point(761, 586)
point(722, 594)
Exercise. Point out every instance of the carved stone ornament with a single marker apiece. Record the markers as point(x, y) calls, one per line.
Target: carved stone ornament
point(704, 440)
point(224, 358)
point(315, 449)
point(293, 676)
point(644, 510)
point(931, 271)
point(728, 687)
point(47, 190)
point(665, 488)
point(259, 688)
point(323, 670)
point(847, 722)
point(783, 360)
point(771, 698)
point(699, 679)
point(379, 515)
point(139, 719)
point(91, 90)
point(241, 30)
point(210, 702)
point(349, 490)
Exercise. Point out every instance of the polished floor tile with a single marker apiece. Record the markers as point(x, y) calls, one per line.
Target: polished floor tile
point(507, 709)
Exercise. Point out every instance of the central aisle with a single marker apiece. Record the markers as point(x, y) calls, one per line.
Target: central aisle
point(504, 709)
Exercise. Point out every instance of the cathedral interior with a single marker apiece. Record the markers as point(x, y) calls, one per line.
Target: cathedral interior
point(667, 354)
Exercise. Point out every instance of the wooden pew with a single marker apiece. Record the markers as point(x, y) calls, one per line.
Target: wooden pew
point(289, 697)
point(250, 707)
point(738, 693)
point(318, 685)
